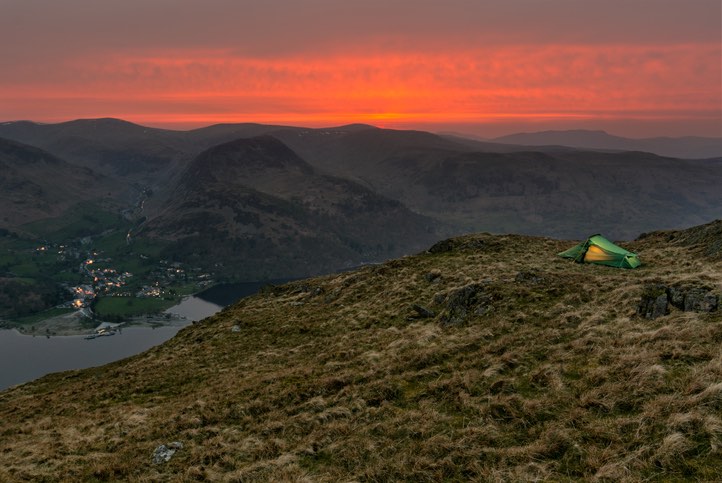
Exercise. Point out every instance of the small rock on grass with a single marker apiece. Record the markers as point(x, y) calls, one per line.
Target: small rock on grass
point(163, 453)
point(423, 311)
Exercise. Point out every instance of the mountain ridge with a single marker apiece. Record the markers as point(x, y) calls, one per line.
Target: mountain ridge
point(689, 147)
point(456, 186)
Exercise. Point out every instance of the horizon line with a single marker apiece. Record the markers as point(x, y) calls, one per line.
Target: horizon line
point(193, 126)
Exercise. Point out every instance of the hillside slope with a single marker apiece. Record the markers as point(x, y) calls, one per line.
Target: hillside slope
point(108, 146)
point(564, 193)
point(516, 365)
point(263, 212)
point(35, 184)
point(465, 184)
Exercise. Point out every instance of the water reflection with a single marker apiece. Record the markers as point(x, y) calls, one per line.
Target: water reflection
point(194, 308)
point(24, 358)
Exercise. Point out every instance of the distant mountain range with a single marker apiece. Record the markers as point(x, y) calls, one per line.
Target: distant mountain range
point(280, 200)
point(690, 147)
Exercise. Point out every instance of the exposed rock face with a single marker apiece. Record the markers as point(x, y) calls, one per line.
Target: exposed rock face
point(656, 299)
point(461, 302)
point(654, 302)
point(693, 299)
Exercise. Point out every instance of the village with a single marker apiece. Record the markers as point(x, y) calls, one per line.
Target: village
point(101, 277)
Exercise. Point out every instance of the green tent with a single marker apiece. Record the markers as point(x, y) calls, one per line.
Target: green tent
point(601, 251)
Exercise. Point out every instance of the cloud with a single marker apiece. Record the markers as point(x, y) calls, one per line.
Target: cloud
point(323, 60)
point(523, 80)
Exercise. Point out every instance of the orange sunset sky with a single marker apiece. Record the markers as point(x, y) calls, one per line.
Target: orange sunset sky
point(634, 67)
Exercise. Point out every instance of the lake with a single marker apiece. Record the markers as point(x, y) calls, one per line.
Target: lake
point(210, 301)
point(228, 293)
point(24, 357)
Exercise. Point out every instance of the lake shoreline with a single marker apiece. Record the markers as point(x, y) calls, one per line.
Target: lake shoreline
point(78, 323)
point(74, 324)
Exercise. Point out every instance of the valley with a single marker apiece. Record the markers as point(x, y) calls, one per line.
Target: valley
point(84, 269)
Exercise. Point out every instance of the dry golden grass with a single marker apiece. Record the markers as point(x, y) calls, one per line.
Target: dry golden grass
point(339, 379)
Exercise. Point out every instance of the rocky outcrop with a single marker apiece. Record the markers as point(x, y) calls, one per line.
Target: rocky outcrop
point(657, 297)
point(654, 301)
point(471, 243)
point(465, 301)
point(693, 299)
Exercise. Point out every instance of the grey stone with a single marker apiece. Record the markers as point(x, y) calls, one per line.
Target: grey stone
point(163, 453)
point(458, 244)
point(484, 309)
point(676, 297)
point(654, 301)
point(693, 298)
point(442, 247)
point(423, 311)
point(689, 297)
point(433, 276)
point(699, 300)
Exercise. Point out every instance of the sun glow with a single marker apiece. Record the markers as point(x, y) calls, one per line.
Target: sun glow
point(478, 85)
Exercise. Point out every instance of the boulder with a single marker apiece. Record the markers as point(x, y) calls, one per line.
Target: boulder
point(657, 297)
point(654, 301)
point(461, 302)
point(693, 298)
point(423, 312)
point(528, 277)
point(434, 276)
point(458, 244)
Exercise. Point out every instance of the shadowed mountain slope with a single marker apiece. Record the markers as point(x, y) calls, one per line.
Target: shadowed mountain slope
point(263, 212)
point(558, 192)
point(35, 184)
point(465, 184)
point(485, 358)
point(109, 146)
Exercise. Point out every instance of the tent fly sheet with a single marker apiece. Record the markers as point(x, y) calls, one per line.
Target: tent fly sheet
point(601, 251)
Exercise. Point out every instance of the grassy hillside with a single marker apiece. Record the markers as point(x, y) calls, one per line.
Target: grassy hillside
point(35, 185)
point(487, 357)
